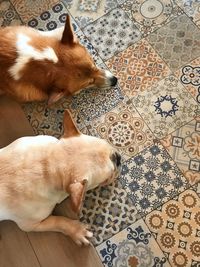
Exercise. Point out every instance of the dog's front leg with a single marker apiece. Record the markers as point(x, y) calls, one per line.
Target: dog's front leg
point(73, 228)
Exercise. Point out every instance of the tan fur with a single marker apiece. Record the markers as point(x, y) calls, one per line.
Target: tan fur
point(43, 79)
point(38, 172)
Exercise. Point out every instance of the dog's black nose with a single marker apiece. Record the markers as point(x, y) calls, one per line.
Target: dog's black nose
point(113, 81)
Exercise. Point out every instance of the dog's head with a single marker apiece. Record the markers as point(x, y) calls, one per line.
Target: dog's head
point(76, 69)
point(94, 162)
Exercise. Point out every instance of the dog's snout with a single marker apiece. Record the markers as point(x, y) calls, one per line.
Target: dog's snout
point(113, 81)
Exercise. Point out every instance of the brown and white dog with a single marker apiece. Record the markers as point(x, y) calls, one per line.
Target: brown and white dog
point(38, 172)
point(36, 65)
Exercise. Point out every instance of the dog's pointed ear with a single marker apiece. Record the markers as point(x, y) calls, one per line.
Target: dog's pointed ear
point(69, 126)
point(76, 192)
point(68, 36)
point(54, 97)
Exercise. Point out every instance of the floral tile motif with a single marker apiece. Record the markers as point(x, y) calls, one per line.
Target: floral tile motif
point(166, 106)
point(124, 129)
point(92, 103)
point(107, 210)
point(189, 75)
point(184, 147)
point(8, 15)
point(191, 8)
point(29, 8)
point(86, 11)
point(112, 33)
point(151, 178)
point(49, 120)
point(178, 42)
point(176, 227)
point(135, 246)
point(151, 14)
point(137, 68)
point(51, 19)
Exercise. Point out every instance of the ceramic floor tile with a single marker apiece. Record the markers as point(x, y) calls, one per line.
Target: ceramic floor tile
point(189, 75)
point(151, 178)
point(107, 210)
point(86, 11)
point(8, 15)
point(191, 8)
point(51, 19)
point(151, 14)
point(124, 129)
point(48, 120)
point(135, 246)
point(112, 33)
point(29, 8)
point(184, 147)
point(178, 42)
point(93, 103)
point(137, 68)
point(176, 227)
point(166, 106)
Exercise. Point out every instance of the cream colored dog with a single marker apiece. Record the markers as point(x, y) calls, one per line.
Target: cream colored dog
point(38, 172)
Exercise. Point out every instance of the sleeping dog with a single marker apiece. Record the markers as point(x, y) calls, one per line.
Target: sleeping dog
point(37, 65)
point(38, 172)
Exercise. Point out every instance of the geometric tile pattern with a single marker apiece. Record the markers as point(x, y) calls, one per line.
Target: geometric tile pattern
point(51, 19)
point(191, 8)
point(166, 106)
point(176, 227)
point(107, 210)
point(134, 246)
point(48, 120)
point(151, 178)
point(150, 216)
point(112, 33)
point(8, 15)
point(124, 129)
point(138, 68)
point(85, 11)
point(151, 14)
point(28, 9)
point(178, 42)
point(184, 147)
point(189, 75)
point(95, 102)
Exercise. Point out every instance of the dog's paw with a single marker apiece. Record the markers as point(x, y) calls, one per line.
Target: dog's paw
point(81, 234)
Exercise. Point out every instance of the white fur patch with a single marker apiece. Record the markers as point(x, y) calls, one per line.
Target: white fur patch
point(108, 74)
point(57, 33)
point(27, 52)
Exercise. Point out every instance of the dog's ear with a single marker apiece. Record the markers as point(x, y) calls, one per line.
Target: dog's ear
point(77, 191)
point(69, 126)
point(68, 36)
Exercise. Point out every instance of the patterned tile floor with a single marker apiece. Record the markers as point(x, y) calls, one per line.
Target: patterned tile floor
point(150, 216)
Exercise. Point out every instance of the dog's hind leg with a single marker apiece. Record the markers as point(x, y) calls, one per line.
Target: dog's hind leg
point(73, 228)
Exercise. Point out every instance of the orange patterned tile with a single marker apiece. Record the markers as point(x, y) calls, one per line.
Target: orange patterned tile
point(138, 68)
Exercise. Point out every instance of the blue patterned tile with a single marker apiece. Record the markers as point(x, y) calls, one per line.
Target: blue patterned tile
point(166, 106)
point(52, 19)
point(151, 178)
point(86, 11)
point(107, 210)
point(134, 246)
point(112, 33)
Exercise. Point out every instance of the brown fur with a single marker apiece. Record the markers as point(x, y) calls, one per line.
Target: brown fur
point(43, 79)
